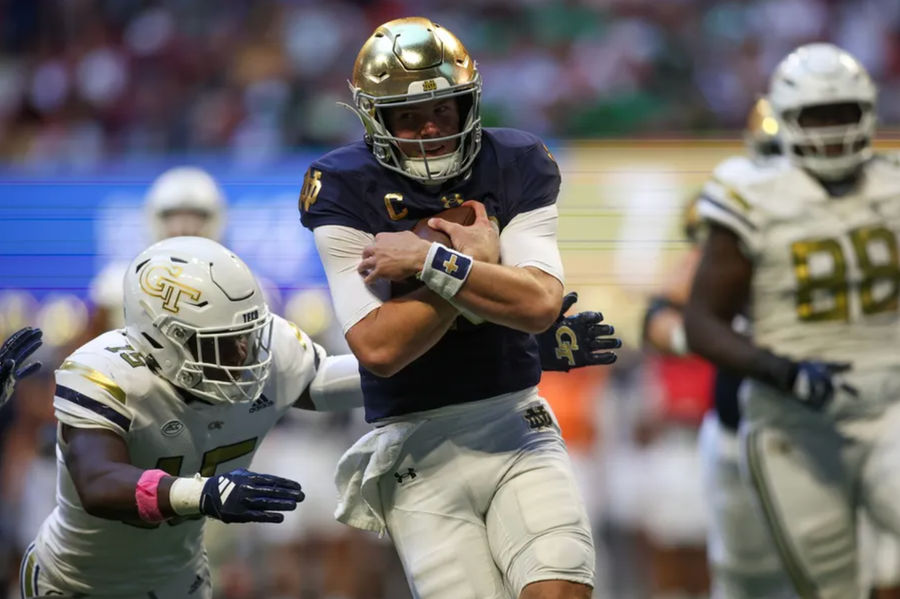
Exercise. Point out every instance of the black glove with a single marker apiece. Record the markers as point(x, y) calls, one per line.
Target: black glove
point(815, 382)
point(15, 351)
point(811, 382)
point(574, 341)
point(244, 496)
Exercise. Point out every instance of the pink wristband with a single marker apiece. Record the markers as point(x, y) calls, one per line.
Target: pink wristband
point(146, 494)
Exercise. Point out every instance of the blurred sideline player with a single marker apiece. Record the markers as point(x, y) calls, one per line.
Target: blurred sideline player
point(673, 519)
point(183, 200)
point(466, 469)
point(743, 562)
point(158, 421)
point(807, 245)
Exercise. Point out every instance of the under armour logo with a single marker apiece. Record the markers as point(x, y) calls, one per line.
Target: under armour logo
point(538, 417)
point(401, 476)
point(566, 341)
point(215, 425)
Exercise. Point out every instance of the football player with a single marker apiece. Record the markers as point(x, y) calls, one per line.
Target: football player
point(183, 200)
point(743, 562)
point(466, 469)
point(808, 246)
point(14, 352)
point(159, 420)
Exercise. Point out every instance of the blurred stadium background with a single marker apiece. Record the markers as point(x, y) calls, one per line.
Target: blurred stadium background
point(638, 99)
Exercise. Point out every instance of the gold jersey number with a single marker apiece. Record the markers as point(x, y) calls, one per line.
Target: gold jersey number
point(823, 295)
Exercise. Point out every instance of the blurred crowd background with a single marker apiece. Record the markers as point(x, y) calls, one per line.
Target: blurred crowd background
point(638, 99)
point(82, 81)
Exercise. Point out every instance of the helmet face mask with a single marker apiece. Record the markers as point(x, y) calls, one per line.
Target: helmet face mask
point(407, 63)
point(196, 312)
point(824, 101)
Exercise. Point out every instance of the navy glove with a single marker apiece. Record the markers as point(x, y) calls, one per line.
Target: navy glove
point(575, 341)
point(244, 496)
point(13, 352)
point(814, 382)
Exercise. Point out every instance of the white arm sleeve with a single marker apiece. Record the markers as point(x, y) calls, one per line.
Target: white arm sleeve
point(337, 386)
point(340, 249)
point(530, 240)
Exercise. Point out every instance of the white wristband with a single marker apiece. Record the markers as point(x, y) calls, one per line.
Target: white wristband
point(445, 270)
point(184, 494)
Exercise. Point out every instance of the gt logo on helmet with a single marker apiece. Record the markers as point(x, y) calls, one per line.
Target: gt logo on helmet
point(161, 281)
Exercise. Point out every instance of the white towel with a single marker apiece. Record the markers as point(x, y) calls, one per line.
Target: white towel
point(375, 453)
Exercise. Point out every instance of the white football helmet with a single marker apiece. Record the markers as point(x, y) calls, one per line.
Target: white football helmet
point(185, 189)
point(194, 310)
point(817, 75)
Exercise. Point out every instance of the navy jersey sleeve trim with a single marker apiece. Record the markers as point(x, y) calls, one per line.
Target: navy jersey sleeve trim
point(94, 406)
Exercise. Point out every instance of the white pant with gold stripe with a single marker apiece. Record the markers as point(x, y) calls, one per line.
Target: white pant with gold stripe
point(35, 583)
point(814, 474)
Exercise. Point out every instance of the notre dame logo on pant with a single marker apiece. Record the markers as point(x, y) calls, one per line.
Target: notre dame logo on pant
point(538, 417)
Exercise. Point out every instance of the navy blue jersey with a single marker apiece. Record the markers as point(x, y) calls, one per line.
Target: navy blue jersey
point(513, 173)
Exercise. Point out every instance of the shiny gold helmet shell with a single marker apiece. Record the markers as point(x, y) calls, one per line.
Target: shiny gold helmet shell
point(761, 133)
point(413, 60)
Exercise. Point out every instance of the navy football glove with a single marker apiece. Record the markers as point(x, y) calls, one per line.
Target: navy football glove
point(14, 352)
point(815, 382)
point(576, 341)
point(244, 496)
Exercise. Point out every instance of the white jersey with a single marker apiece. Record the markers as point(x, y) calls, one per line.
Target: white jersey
point(106, 385)
point(826, 279)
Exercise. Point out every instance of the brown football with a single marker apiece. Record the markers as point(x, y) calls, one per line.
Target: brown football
point(464, 215)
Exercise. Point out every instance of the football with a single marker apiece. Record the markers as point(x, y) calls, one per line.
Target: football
point(464, 215)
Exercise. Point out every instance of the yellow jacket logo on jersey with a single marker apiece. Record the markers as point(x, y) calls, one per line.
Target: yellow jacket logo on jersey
point(161, 281)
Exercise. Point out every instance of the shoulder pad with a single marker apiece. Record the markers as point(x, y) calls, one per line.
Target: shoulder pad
point(513, 138)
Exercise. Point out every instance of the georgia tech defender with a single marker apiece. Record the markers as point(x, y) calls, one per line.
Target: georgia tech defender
point(159, 420)
point(809, 244)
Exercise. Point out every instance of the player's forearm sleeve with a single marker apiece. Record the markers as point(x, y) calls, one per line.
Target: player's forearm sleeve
point(337, 386)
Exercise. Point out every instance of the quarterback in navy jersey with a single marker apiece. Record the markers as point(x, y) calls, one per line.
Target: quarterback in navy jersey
point(466, 468)
point(514, 173)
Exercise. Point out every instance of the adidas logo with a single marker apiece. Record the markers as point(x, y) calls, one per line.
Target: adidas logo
point(226, 486)
point(260, 403)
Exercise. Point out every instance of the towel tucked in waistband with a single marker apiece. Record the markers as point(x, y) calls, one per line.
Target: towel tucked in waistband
point(374, 454)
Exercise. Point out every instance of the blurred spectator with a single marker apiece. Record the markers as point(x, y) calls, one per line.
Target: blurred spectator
point(83, 81)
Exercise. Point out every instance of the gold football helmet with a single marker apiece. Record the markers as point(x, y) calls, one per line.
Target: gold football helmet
point(761, 134)
point(408, 61)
